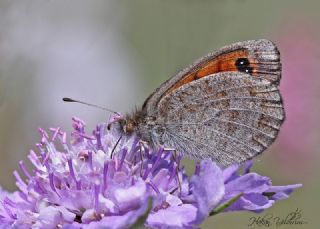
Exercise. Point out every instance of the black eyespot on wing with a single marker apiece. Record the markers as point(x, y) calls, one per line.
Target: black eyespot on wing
point(240, 62)
point(243, 65)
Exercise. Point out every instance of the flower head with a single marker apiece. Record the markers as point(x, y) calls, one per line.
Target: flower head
point(102, 180)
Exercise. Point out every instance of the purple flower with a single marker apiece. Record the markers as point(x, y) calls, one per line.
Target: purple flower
point(257, 191)
point(101, 181)
point(194, 202)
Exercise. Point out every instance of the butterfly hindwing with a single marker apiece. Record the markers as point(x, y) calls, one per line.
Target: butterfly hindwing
point(229, 117)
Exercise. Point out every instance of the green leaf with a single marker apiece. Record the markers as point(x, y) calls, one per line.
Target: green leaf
point(225, 205)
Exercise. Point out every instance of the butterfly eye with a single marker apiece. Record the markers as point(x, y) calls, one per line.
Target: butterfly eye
point(243, 65)
point(109, 126)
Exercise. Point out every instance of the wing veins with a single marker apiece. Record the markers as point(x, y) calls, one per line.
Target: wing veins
point(254, 111)
point(245, 86)
point(227, 98)
point(197, 143)
point(223, 120)
point(230, 138)
point(244, 97)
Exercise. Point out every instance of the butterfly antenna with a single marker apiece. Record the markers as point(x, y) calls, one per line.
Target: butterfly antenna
point(66, 99)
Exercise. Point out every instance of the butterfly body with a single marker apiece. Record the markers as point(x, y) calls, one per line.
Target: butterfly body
point(226, 106)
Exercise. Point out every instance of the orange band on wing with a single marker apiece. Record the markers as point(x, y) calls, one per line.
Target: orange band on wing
point(222, 63)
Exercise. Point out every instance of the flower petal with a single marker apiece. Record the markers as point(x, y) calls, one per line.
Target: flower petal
point(208, 189)
point(131, 197)
point(251, 202)
point(230, 173)
point(248, 183)
point(173, 217)
point(282, 192)
point(49, 217)
point(119, 221)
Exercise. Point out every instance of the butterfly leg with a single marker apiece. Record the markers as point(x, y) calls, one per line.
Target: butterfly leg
point(141, 143)
point(175, 159)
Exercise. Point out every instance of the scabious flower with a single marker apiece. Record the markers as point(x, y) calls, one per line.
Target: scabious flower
point(99, 181)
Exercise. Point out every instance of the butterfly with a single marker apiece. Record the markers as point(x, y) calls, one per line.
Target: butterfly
point(226, 106)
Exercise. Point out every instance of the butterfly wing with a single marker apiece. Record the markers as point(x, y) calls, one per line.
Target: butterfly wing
point(236, 118)
point(260, 58)
point(226, 106)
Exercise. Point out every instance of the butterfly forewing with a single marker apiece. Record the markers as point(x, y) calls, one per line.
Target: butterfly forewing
point(260, 58)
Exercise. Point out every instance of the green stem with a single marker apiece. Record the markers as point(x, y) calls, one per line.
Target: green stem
point(225, 205)
point(140, 222)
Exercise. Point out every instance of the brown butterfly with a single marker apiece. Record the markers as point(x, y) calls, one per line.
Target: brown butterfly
point(226, 106)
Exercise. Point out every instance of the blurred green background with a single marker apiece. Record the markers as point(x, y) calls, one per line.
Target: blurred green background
point(115, 53)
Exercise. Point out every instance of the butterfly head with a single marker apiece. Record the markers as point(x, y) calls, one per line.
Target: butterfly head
point(124, 126)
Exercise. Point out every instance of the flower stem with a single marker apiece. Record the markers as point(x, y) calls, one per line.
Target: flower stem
point(225, 205)
point(141, 221)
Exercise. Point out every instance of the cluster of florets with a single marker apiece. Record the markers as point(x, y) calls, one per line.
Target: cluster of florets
point(94, 182)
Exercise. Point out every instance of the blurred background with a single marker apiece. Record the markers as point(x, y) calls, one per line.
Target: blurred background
point(115, 53)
